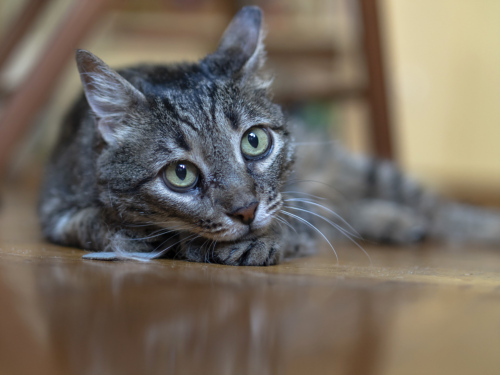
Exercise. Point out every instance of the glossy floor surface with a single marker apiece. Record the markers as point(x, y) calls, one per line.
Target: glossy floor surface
point(424, 310)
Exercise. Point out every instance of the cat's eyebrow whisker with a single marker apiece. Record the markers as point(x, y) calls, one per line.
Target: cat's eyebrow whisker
point(357, 235)
point(313, 227)
point(340, 229)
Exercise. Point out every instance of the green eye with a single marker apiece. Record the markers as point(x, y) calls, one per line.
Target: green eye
point(255, 143)
point(181, 175)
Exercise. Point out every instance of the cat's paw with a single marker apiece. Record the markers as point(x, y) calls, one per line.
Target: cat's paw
point(256, 252)
point(388, 222)
point(260, 251)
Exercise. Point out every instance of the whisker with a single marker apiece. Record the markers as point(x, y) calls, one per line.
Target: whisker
point(206, 254)
point(337, 191)
point(335, 225)
point(135, 255)
point(145, 257)
point(147, 224)
point(339, 228)
point(280, 223)
point(191, 241)
point(161, 232)
point(213, 249)
point(313, 227)
point(362, 249)
point(280, 219)
point(201, 247)
point(162, 252)
point(301, 192)
point(329, 210)
point(207, 240)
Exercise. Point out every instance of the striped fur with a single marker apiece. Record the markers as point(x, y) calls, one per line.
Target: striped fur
point(381, 202)
point(104, 190)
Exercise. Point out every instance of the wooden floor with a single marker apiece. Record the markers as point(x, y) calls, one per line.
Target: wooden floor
point(423, 310)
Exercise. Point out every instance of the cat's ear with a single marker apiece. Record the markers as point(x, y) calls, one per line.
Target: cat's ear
point(241, 48)
point(109, 95)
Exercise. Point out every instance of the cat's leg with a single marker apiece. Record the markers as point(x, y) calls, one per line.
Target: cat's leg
point(343, 177)
point(384, 221)
point(88, 228)
point(391, 195)
point(75, 227)
point(461, 224)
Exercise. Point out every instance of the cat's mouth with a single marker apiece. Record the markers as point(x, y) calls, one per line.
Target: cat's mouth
point(235, 234)
point(232, 230)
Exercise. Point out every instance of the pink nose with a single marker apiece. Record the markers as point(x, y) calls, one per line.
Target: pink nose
point(245, 214)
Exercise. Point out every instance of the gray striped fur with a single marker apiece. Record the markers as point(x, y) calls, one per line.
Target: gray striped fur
point(103, 189)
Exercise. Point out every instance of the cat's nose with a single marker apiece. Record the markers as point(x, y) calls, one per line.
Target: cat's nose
point(245, 214)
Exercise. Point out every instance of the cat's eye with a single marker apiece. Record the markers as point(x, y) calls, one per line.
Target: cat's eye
point(181, 176)
point(256, 143)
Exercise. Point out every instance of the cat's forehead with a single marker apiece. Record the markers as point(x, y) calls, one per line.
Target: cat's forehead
point(183, 79)
point(207, 107)
point(191, 110)
point(191, 92)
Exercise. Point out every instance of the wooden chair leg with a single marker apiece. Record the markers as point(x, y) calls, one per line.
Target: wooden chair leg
point(377, 93)
point(25, 103)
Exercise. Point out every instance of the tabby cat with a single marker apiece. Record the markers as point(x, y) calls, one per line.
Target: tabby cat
point(194, 161)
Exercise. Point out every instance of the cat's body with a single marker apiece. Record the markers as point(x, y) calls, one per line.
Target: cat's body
point(194, 161)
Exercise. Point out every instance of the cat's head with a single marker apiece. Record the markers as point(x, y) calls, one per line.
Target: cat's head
point(197, 147)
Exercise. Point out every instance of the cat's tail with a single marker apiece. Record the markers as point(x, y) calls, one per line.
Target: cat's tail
point(465, 224)
point(383, 203)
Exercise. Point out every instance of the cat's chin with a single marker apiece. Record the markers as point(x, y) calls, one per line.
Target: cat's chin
point(241, 234)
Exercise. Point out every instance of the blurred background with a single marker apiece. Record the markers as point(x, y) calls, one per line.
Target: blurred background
point(440, 73)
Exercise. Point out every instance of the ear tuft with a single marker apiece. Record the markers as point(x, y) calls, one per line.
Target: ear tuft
point(241, 48)
point(109, 95)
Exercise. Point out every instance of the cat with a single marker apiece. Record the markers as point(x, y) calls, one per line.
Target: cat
point(195, 161)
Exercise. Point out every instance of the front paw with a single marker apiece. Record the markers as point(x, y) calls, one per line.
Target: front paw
point(259, 251)
point(255, 252)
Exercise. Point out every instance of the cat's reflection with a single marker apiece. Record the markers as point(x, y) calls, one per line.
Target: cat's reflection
point(176, 317)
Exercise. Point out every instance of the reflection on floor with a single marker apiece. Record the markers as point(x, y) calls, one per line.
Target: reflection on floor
point(424, 310)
